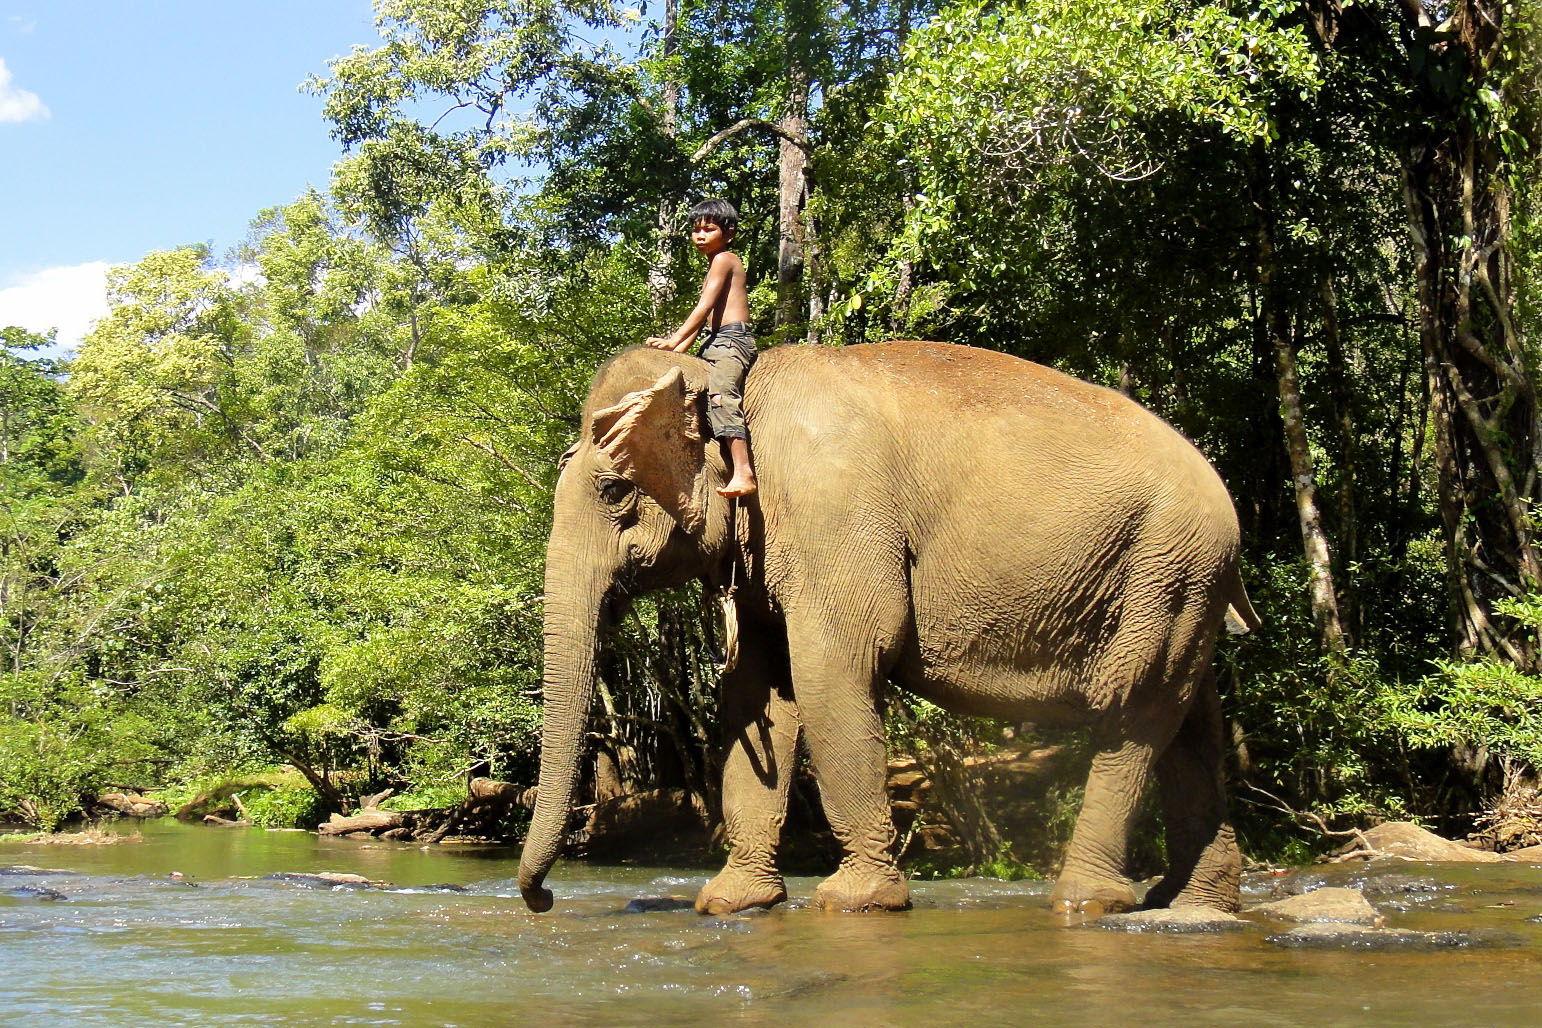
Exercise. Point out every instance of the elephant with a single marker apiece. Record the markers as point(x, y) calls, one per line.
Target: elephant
point(992, 535)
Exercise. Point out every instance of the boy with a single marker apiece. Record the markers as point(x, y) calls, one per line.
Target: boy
point(724, 309)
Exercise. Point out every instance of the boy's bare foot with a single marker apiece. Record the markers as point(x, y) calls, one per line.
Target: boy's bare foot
point(743, 481)
point(739, 485)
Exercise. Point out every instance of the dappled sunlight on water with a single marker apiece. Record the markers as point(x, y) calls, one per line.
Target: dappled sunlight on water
point(449, 942)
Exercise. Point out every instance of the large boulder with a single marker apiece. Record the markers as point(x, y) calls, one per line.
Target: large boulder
point(1408, 841)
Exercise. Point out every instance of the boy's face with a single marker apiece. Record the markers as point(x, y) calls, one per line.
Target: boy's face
point(709, 238)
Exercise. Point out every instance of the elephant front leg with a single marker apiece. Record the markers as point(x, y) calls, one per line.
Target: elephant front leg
point(761, 729)
point(846, 741)
point(1093, 880)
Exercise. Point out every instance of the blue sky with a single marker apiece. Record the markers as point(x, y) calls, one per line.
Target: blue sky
point(127, 127)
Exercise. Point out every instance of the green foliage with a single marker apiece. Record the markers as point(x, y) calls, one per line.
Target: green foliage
point(298, 807)
point(1309, 737)
point(62, 742)
point(1003, 866)
point(1059, 85)
point(1013, 124)
point(427, 796)
point(1484, 705)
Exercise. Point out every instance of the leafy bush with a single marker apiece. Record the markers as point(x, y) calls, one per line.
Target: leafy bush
point(285, 807)
point(1004, 866)
point(427, 796)
point(61, 743)
point(1482, 703)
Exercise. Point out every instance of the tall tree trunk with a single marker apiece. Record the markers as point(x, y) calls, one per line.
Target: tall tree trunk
point(661, 282)
point(818, 279)
point(1343, 416)
point(1483, 400)
point(792, 168)
point(1401, 502)
point(1325, 608)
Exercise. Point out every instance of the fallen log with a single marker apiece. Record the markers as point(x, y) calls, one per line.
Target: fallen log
point(489, 789)
point(224, 822)
point(365, 821)
point(487, 799)
point(130, 805)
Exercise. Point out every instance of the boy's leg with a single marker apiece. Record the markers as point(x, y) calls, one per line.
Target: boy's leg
point(730, 360)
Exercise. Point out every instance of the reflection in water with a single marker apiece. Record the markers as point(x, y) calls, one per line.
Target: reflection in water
point(126, 943)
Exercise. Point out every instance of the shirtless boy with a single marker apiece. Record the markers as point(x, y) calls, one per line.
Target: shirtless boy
point(724, 309)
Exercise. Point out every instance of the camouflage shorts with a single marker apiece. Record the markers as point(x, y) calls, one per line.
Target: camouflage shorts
point(730, 350)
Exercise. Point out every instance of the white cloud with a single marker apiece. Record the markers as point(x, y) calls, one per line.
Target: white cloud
point(17, 104)
point(22, 25)
point(248, 274)
point(67, 298)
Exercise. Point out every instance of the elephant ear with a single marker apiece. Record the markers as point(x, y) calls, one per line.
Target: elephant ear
point(653, 439)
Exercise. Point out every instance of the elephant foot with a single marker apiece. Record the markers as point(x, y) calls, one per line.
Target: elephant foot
point(1214, 880)
point(1220, 890)
point(1089, 897)
point(740, 888)
point(1213, 896)
point(863, 888)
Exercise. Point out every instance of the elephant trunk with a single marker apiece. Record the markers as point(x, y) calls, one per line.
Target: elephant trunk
point(574, 598)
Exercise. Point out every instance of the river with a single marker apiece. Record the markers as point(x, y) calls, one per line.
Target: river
point(182, 927)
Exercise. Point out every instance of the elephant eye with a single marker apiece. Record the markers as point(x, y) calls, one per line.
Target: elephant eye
point(614, 490)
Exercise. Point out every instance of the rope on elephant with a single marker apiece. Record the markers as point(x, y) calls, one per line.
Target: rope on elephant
point(727, 599)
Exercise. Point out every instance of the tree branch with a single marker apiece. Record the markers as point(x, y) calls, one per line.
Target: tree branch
point(798, 140)
point(1306, 819)
point(493, 451)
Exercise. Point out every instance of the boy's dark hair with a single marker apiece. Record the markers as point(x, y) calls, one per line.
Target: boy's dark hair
point(720, 212)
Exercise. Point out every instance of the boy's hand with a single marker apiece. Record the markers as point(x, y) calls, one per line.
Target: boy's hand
point(660, 343)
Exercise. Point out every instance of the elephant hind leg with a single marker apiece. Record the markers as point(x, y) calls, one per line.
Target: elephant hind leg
point(1093, 881)
point(1204, 863)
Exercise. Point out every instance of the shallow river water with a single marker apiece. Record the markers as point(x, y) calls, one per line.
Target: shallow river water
point(182, 928)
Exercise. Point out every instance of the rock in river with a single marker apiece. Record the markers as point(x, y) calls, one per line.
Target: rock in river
point(1341, 905)
point(1410, 842)
point(325, 880)
point(1173, 920)
point(1357, 937)
point(658, 904)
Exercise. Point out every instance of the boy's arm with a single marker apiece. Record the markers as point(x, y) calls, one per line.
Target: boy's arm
point(719, 275)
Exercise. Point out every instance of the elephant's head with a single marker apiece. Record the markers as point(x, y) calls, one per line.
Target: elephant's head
point(634, 511)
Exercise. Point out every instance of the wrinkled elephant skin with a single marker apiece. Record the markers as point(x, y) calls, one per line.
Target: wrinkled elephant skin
point(987, 533)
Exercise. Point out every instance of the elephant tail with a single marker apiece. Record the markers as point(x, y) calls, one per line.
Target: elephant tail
point(1241, 618)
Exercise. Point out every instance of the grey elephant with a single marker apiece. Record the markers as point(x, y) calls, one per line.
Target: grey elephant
point(990, 534)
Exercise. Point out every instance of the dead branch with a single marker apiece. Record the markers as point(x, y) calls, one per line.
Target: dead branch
point(1307, 819)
